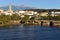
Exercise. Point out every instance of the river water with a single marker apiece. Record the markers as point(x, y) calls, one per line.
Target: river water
point(29, 32)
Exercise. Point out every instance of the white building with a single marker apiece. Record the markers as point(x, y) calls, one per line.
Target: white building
point(7, 13)
point(57, 13)
point(1, 11)
point(21, 12)
point(44, 14)
point(27, 13)
point(30, 13)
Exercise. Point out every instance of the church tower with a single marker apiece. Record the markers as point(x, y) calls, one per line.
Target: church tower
point(10, 9)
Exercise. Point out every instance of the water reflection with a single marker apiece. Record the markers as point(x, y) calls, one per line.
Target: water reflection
point(29, 32)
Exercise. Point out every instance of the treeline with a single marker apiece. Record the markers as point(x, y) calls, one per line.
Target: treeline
point(6, 18)
point(50, 17)
point(43, 10)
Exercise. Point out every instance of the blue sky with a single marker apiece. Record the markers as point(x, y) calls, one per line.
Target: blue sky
point(33, 3)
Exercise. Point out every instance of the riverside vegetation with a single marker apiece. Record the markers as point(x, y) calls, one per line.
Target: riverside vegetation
point(7, 19)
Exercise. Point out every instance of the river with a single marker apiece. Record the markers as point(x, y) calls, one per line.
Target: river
point(29, 32)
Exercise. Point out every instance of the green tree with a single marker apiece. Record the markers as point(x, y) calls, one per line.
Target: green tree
point(15, 17)
point(26, 17)
point(4, 18)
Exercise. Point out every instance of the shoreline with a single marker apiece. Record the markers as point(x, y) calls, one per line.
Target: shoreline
point(35, 22)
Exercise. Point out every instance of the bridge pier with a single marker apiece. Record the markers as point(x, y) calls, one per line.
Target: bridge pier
point(45, 23)
point(51, 23)
point(56, 23)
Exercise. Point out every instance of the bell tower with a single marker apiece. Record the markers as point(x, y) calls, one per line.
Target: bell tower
point(10, 9)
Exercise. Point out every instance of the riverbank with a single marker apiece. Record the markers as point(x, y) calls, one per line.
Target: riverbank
point(55, 23)
point(12, 22)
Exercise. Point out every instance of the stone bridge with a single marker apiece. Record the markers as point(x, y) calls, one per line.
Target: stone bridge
point(43, 22)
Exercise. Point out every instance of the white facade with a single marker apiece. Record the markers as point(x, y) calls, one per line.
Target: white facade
point(27, 13)
point(55, 13)
point(31, 13)
point(7, 13)
point(52, 13)
point(1, 11)
point(44, 14)
point(21, 11)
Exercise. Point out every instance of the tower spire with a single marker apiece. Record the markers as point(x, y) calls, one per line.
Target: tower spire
point(10, 8)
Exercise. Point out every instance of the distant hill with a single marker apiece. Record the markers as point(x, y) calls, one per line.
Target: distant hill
point(14, 7)
point(22, 7)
